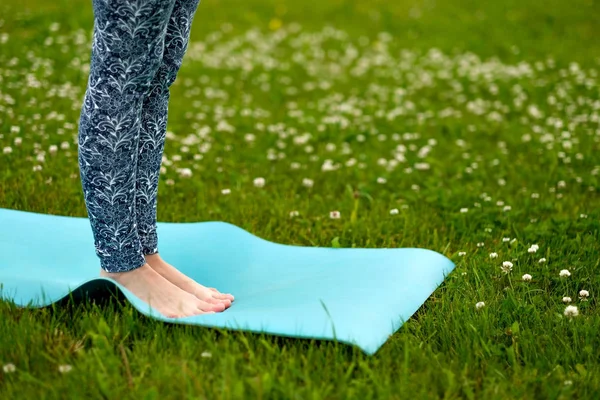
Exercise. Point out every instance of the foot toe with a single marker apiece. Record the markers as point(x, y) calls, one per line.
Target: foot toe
point(212, 300)
point(226, 302)
point(206, 306)
point(223, 296)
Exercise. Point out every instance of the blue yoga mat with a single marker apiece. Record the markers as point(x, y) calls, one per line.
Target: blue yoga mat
point(355, 296)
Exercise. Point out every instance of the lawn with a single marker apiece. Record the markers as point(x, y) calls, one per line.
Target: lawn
point(469, 128)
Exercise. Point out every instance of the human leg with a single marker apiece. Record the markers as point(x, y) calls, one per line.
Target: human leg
point(151, 147)
point(154, 122)
point(126, 54)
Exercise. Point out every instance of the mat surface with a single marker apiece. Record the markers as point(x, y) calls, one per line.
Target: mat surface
point(357, 296)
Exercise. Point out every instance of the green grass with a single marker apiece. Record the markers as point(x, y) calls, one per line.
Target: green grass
point(473, 95)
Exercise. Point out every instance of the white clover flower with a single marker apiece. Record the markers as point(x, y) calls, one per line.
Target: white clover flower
point(64, 145)
point(294, 214)
point(464, 210)
point(53, 149)
point(206, 354)
point(7, 150)
point(335, 215)
point(493, 255)
point(259, 182)
point(394, 211)
point(224, 126)
point(564, 273)
point(37, 168)
point(64, 368)
point(506, 267)
point(507, 208)
point(226, 191)
point(566, 299)
point(479, 305)
point(8, 368)
point(307, 182)
point(480, 244)
point(526, 277)
point(381, 180)
point(531, 250)
point(18, 141)
point(534, 246)
point(505, 240)
point(184, 172)
point(542, 260)
point(461, 253)
point(328, 165)
point(583, 295)
point(571, 311)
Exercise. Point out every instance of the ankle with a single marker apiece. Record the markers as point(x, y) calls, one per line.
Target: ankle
point(123, 276)
point(154, 256)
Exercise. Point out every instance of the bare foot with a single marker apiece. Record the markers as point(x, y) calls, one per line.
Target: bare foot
point(153, 289)
point(210, 295)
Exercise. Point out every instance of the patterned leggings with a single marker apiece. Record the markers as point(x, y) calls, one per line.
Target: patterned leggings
point(137, 50)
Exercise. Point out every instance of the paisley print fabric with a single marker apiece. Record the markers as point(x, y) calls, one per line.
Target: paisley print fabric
point(137, 50)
